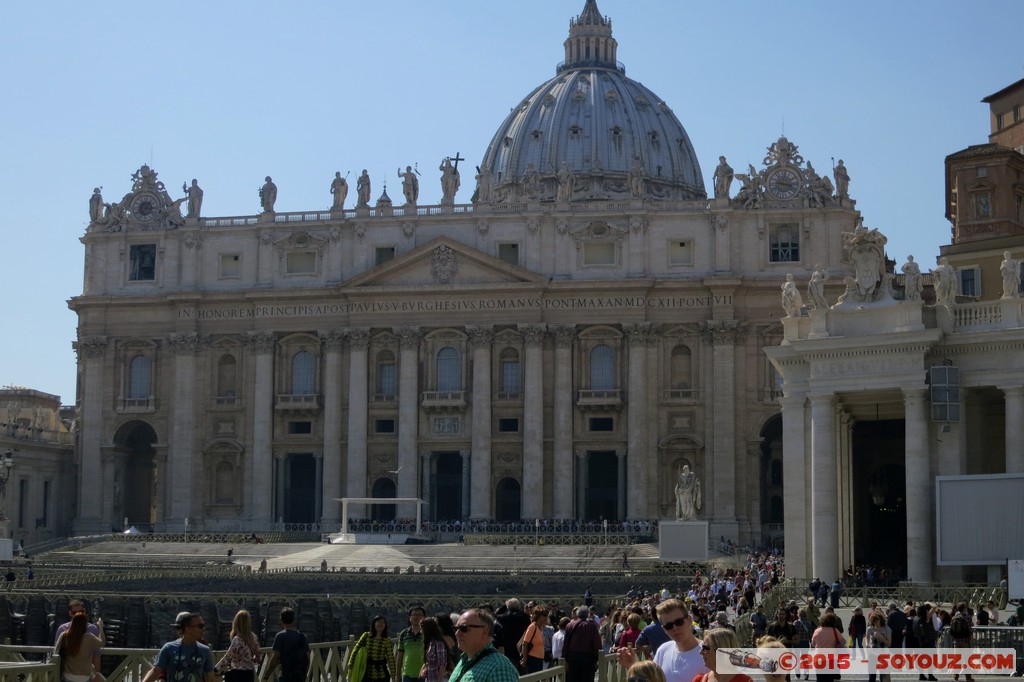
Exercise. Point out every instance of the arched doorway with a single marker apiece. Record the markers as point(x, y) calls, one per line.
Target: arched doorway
point(508, 500)
point(446, 487)
point(300, 489)
point(879, 495)
point(135, 484)
point(602, 492)
point(383, 488)
point(773, 498)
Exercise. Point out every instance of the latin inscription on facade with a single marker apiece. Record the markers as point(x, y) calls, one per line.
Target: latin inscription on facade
point(454, 305)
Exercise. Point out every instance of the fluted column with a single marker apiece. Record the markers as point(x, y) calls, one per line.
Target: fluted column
point(408, 410)
point(920, 550)
point(91, 352)
point(824, 525)
point(180, 455)
point(331, 471)
point(261, 470)
point(358, 338)
point(795, 485)
point(1014, 429)
point(478, 467)
point(533, 421)
point(564, 336)
point(636, 416)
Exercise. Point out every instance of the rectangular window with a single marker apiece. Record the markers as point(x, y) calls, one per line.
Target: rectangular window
point(230, 265)
point(383, 254)
point(999, 121)
point(509, 253)
point(383, 425)
point(944, 392)
point(784, 243)
point(983, 172)
point(301, 263)
point(510, 377)
point(508, 425)
point(982, 205)
point(1020, 208)
point(602, 424)
point(386, 380)
point(680, 253)
point(300, 427)
point(602, 253)
point(970, 281)
point(1016, 113)
point(142, 262)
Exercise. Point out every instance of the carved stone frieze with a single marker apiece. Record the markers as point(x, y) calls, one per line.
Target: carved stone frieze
point(562, 225)
point(638, 224)
point(266, 237)
point(564, 335)
point(357, 337)
point(532, 225)
point(91, 347)
point(444, 265)
point(360, 230)
point(409, 229)
point(333, 339)
point(724, 331)
point(640, 333)
point(480, 336)
point(193, 240)
point(483, 226)
point(188, 343)
point(409, 336)
point(335, 233)
point(719, 221)
point(533, 334)
point(260, 342)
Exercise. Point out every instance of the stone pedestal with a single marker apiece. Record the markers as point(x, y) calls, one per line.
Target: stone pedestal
point(683, 540)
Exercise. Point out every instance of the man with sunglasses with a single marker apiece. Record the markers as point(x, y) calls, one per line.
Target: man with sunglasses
point(186, 659)
point(76, 606)
point(480, 661)
point(679, 657)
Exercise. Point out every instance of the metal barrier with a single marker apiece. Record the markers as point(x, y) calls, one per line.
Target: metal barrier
point(992, 637)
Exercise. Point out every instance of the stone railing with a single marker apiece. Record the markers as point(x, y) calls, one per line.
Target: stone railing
point(999, 314)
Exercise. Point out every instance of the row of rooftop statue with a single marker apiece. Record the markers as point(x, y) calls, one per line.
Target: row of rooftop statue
point(786, 177)
point(870, 284)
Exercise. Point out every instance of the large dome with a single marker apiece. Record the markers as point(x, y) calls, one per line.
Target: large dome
point(590, 133)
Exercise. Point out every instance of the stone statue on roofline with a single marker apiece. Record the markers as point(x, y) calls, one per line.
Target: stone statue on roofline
point(723, 178)
point(792, 302)
point(945, 283)
point(866, 248)
point(912, 284)
point(1010, 269)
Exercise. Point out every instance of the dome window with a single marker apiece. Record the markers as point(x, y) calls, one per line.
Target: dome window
point(641, 101)
point(508, 141)
point(611, 96)
point(537, 134)
point(575, 130)
point(617, 131)
point(653, 135)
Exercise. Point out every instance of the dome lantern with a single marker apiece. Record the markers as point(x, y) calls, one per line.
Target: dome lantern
point(590, 42)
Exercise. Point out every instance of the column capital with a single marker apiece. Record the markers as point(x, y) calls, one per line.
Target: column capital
point(260, 342)
point(188, 343)
point(533, 334)
point(564, 334)
point(640, 333)
point(358, 337)
point(823, 399)
point(792, 402)
point(1011, 390)
point(724, 331)
point(914, 394)
point(409, 336)
point(91, 347)
point(480, 336)
point(333, 339)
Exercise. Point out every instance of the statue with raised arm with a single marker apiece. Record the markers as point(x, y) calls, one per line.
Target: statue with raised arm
point(842, 180)
point(945, 283)
point(816, 288)
point(363, 190)
point(96, 207)
point(689, 498)
point(912, 284)
point(723, 178)
point(339, 190)
point(792, 302)
point(195, 198)
point(1010, 269)
point(450, 181)
point(268, 195)
point(410, 185)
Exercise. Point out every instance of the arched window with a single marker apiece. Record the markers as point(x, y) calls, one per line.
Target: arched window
point(227, 376)
point(387, 376)
point(303, 379)
point(510, 381)
point(449, 370)
point(140, 377)
point(682, 368)
point(602, 368)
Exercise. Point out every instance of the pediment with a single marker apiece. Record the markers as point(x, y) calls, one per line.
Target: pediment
point(444, 262)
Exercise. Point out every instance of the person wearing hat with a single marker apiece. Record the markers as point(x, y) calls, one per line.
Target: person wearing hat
point(186, 659)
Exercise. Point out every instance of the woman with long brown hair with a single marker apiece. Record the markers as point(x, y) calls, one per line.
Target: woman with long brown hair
point(243, 655)
point(79, 651)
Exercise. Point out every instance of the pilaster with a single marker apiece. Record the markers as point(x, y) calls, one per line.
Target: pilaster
point(478, 469)
point(824, 472)
point(920, 508)
point(358, 338)
point(408, 410)
point(333, 342)
point(564, 336)
point(91, 355)
point(533, 421)
point(262, 345)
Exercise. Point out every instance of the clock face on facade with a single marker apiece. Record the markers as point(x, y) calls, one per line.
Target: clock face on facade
point(784, 184)
point(144, 207)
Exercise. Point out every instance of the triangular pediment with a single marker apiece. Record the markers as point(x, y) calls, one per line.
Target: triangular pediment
point(444, 262)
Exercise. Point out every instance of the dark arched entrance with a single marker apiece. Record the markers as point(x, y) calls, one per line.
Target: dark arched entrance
point(879, 494)
point(771, 483)
point(134, 487)
point(508, 500)
point(602, 486)
point(382, 488)
point(446, 487)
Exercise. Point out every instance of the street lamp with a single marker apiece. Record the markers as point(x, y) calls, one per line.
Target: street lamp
point(6, 466)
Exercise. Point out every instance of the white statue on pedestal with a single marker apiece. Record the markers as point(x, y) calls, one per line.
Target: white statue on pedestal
point(689, 498)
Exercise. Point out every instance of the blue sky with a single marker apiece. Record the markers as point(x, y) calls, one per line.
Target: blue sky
point(228, 92)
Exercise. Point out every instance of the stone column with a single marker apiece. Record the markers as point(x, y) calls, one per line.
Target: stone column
point(408, 408)
point(262, 345)
point(723, 334)
point(636, 416)
point(355, 475)
point(466, 497)
point(318, 508)
point(281, 479)
point(331, 471)
point(581, 484)
point(920, 549)
point(564, 336)
point(1014, 429)
point(824, 499)
point(426, 494)
point(533, 421)
point(478, 488)
point(109, 485)
point(191, 259)
point(795, 485)
point(91, 351)
point(181, 442)
point(620, 500)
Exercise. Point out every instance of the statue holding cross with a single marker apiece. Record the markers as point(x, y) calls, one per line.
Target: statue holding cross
point(450, 180)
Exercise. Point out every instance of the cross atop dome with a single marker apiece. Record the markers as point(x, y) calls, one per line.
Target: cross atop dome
point(590, 42)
